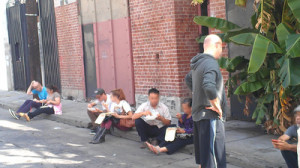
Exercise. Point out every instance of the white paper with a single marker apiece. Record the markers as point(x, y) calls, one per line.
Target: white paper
point(100, 118)
point(170, 134)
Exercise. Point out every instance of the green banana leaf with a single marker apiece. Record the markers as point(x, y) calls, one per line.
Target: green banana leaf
point(295, 8)
point(282, 32)
point(247, 39)
point(259, 53)
point(290, 72)
point(249, 87)
point(217, 23)
point(261, 109)
point(293, 45)
point(261, 47)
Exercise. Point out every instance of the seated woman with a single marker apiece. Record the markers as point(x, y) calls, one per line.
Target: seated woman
point(184, 132)
point(122, 110)
point(53, 104)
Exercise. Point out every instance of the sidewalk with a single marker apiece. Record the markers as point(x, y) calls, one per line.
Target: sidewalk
point(247, 145)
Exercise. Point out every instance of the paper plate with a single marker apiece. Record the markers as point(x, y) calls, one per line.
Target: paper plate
point(170, 134)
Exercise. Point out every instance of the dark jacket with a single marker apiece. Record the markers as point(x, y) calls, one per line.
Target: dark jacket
point(206, 83)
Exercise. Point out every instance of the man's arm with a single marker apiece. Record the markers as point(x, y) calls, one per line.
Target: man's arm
point(140, 114)
point(29, 92)
point(210, 89)
point(282, 145)
point(188, 80)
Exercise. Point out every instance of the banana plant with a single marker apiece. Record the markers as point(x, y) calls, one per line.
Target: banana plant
point(272, 74)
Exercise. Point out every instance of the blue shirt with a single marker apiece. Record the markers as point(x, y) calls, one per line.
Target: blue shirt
point(42, 94)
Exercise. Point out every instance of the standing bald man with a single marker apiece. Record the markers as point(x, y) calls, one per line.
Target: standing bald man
point(209, 105)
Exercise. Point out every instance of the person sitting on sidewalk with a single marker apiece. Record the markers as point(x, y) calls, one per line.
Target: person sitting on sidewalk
point(121, 109)
point(289, 150)
point(152, 119)
point(93, 113)
point(53, 104)
point(184, 132)
point(35, 88)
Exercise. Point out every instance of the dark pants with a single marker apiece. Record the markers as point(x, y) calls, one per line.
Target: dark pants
point(28, 104)
point(147, 131)
point(176, 144)
point(47, 110)
point(290, 158)
point(209, 142)
point(93, 118)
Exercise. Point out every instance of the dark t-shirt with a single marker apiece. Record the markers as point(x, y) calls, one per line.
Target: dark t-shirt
point(292, 132)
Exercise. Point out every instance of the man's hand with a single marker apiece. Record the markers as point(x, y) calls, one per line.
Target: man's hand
point(91, 105)
point(215, 106)
point(180, 131)
point(179, 116)
point(159, 117)
point(281, 145)
point(145, 113)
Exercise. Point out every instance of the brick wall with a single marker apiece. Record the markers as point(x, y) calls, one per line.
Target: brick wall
point(163, 42)
point(70, 50)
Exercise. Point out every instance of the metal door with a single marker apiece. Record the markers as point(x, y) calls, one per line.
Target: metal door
point(49, 42)
point(89, 59)
point(16, 22)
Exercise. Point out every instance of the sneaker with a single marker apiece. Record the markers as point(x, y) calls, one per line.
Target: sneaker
point(93, 132)
point(13, 114)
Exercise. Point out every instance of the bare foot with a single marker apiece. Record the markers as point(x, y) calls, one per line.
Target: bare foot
point(150, 147)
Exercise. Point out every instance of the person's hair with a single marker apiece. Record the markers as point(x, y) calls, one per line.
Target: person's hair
point(100, 91)
point(119, 94)
point(188, 101)
point(297, 109)
point(52, 87)
point(153, 90)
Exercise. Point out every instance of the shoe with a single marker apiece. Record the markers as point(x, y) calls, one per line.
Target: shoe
point(25, 116)
point(93, 132)
point(14, 115)
point(100, 136)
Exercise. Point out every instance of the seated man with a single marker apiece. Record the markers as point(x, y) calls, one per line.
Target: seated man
point(147, 126)
point(289, 150)
point(37, 89)
point(103, 100)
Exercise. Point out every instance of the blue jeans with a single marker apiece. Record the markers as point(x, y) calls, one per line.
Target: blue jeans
point(28, 104)
point(290, 158)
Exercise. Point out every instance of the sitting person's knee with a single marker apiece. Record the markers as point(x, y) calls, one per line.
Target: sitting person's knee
point(139, 122)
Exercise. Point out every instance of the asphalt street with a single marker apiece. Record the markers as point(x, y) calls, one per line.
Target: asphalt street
point(49, 144)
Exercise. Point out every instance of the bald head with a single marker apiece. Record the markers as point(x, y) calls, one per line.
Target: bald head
point(213, 45)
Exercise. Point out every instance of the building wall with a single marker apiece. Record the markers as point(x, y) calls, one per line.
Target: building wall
point(5, 57)
point(163, 42)
point(70, 49)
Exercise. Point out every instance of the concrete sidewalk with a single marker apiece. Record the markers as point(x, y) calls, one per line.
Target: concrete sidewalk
point(247, 145)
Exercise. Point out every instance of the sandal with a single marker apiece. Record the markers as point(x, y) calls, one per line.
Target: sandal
point(25, 116)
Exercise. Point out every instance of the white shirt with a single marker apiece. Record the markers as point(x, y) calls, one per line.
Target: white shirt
point(162, 109)
point(123, 106)
point(108, 101)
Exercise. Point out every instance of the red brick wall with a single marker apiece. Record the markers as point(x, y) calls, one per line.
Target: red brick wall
point(163, 42)
point(70, 47)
